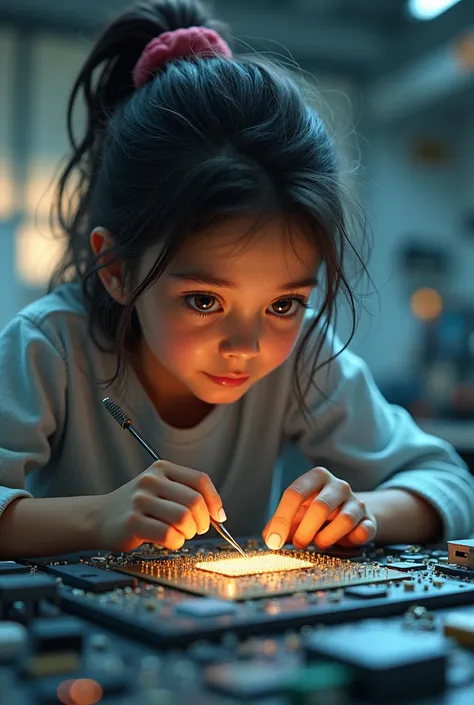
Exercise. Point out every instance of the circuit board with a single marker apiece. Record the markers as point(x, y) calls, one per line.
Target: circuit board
point(366, 624)
point(262, 574)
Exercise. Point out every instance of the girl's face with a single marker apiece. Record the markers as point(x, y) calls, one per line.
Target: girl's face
point(227, 311)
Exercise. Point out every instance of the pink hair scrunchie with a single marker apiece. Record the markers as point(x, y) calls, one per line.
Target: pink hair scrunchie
point(180, 43)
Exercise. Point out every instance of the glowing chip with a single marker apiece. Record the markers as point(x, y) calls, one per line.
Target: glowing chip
point(262, 574)
point(254, 565)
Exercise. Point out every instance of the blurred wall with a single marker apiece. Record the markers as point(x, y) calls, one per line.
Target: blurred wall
point(409, 199)
point(27, 247)
point(8, 282)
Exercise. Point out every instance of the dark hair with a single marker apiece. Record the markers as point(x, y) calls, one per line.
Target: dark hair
point(205, 139)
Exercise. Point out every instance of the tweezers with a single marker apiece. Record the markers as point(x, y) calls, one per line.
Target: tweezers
point(220, 528)
point(125, 422)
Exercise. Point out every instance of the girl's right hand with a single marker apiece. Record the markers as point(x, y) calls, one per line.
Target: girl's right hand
point(165, 505)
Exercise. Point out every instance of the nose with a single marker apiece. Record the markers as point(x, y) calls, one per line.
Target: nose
point(242, 344)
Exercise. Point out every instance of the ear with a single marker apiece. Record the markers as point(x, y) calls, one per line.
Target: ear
point(112, 274)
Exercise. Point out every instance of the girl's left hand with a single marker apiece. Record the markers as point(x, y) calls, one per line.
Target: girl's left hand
point(322, 508)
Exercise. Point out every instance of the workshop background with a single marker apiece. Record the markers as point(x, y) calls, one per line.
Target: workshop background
point(395, 81)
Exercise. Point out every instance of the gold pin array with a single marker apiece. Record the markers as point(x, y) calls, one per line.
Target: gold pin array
point(263, 574)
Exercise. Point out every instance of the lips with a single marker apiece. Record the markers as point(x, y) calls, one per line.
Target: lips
point(230, 380)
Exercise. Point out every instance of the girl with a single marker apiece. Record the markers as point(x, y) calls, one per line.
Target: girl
point(201, 201)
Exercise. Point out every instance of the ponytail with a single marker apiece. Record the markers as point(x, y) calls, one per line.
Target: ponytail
point(106, 81)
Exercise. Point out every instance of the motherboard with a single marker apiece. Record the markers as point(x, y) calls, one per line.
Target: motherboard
point(204, 625)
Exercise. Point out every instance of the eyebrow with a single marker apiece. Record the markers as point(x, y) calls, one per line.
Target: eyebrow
point(209, 280)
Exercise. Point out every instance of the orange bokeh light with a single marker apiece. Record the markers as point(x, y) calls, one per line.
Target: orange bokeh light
point(464, 50)
point(82, 691)
point(426, 304)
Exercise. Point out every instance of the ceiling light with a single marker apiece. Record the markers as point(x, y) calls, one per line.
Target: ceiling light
point(429, 9)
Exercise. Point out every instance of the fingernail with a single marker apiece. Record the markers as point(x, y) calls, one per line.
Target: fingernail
point(204, 531)
point(222, 515)
point(274, 541)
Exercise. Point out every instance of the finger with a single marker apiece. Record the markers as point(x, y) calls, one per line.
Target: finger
point(200, 482)
point(334, 514)
point(293, 527)
point(293, 497)
point(299, 515)
point(344, 543)
point(265, 531)
point(365, 531)
point(326, 503)
point(181, 494)
point(171, 513)
point(352, 512)
point(296, 522)
point(154, 531)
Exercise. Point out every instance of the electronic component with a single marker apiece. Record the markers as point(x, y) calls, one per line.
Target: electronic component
point(59, 634)
point(27, 589)
point(315, 572)
point(346, 551)
point(320, 683)
point(461, 552)
point(413, 557)
point(387, 661)
point(460, 626)
point(50, 664)
point(90, 578)
point(366, 592)
point(206, 607)
point(43, 561)
point(405, 566)
point(254, 565)
point(13, 638)
point(10, 567)
point(248, 680)
point(55, 647)
point(455, 571)
point(400, 548)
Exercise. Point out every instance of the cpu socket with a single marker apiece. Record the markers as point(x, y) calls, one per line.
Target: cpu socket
point(262, 574)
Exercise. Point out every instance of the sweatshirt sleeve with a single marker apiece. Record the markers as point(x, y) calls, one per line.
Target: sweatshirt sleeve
point(360, 437)
point(32, 403)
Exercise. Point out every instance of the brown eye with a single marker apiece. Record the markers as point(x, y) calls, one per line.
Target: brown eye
point(202, 303)
point(287, 308)
point(284, 306)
